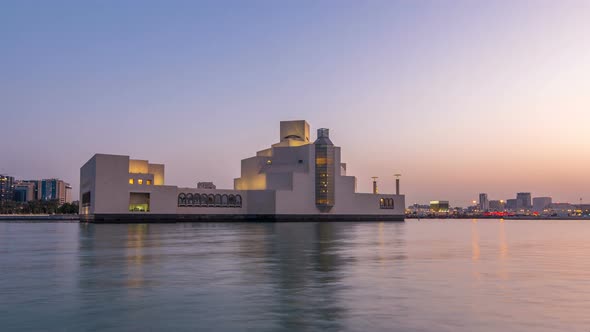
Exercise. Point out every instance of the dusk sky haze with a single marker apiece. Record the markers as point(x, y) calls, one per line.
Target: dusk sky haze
point(461, 97)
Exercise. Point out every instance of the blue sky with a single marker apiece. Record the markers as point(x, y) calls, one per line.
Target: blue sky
point(461, 97)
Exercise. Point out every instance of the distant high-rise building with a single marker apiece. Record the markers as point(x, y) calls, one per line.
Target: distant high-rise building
point(6, 188)
point(37, 188)
point(523, 201)
point(541, 203)
point(511, 204)
point(51, 190)
point(68, 194)
point(484, 203)
point(497, 206)
point(206, 185)
point(24, 191)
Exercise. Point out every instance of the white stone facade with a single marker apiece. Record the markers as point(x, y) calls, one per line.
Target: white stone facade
point(278, 183)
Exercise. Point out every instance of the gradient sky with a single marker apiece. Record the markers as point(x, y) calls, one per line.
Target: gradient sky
point(460, 97)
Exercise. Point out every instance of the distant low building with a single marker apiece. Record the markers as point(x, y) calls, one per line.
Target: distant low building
point(497, 205)
point(541, 203)
point(419, 209)
point(457, 210)
point(583, 209)
point(439, 206)
point(511, 205)
point(561, 209)
point(206, 185)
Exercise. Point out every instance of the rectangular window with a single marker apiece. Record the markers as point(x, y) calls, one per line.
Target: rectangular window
point(130, 181)
point(139, 181)
point(139, 202)
point(148, 182)
point(321, 160)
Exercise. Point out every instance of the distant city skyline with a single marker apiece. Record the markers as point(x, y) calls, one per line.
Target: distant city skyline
point(459, 97)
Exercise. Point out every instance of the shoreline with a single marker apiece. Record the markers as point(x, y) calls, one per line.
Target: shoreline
point(39, 217)
point(75, 217)
point(498, 218)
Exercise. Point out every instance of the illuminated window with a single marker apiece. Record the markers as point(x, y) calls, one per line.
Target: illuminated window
point(139, 181)
point(321, 161)
point(324, 174)
point(130, 181)
point(148, 182)
point(139, 202)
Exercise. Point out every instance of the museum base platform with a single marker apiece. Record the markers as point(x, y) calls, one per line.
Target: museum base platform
point(176, 218)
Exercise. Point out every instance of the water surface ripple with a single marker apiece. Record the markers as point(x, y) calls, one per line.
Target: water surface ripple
point(435, 275)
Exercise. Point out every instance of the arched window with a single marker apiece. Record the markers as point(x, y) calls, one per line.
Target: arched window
point(386, 203)
point(224, 200)
point(231, 200)
point(217, 200)
point(197, 199)
point(181, 200)
point(211, 200)
point(238, 201)
point(189, 199)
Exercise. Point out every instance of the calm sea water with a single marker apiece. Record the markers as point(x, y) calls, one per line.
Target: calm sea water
point(456, 275)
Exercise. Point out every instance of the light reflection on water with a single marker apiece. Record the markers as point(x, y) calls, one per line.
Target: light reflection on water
point(453, 275)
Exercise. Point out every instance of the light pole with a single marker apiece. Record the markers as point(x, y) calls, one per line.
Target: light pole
point(374, 184)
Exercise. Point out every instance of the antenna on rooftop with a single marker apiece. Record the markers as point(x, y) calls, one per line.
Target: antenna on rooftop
point(374, 184)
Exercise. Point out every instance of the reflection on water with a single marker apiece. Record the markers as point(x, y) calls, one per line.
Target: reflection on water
point(474, 241)
point(479, 275)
